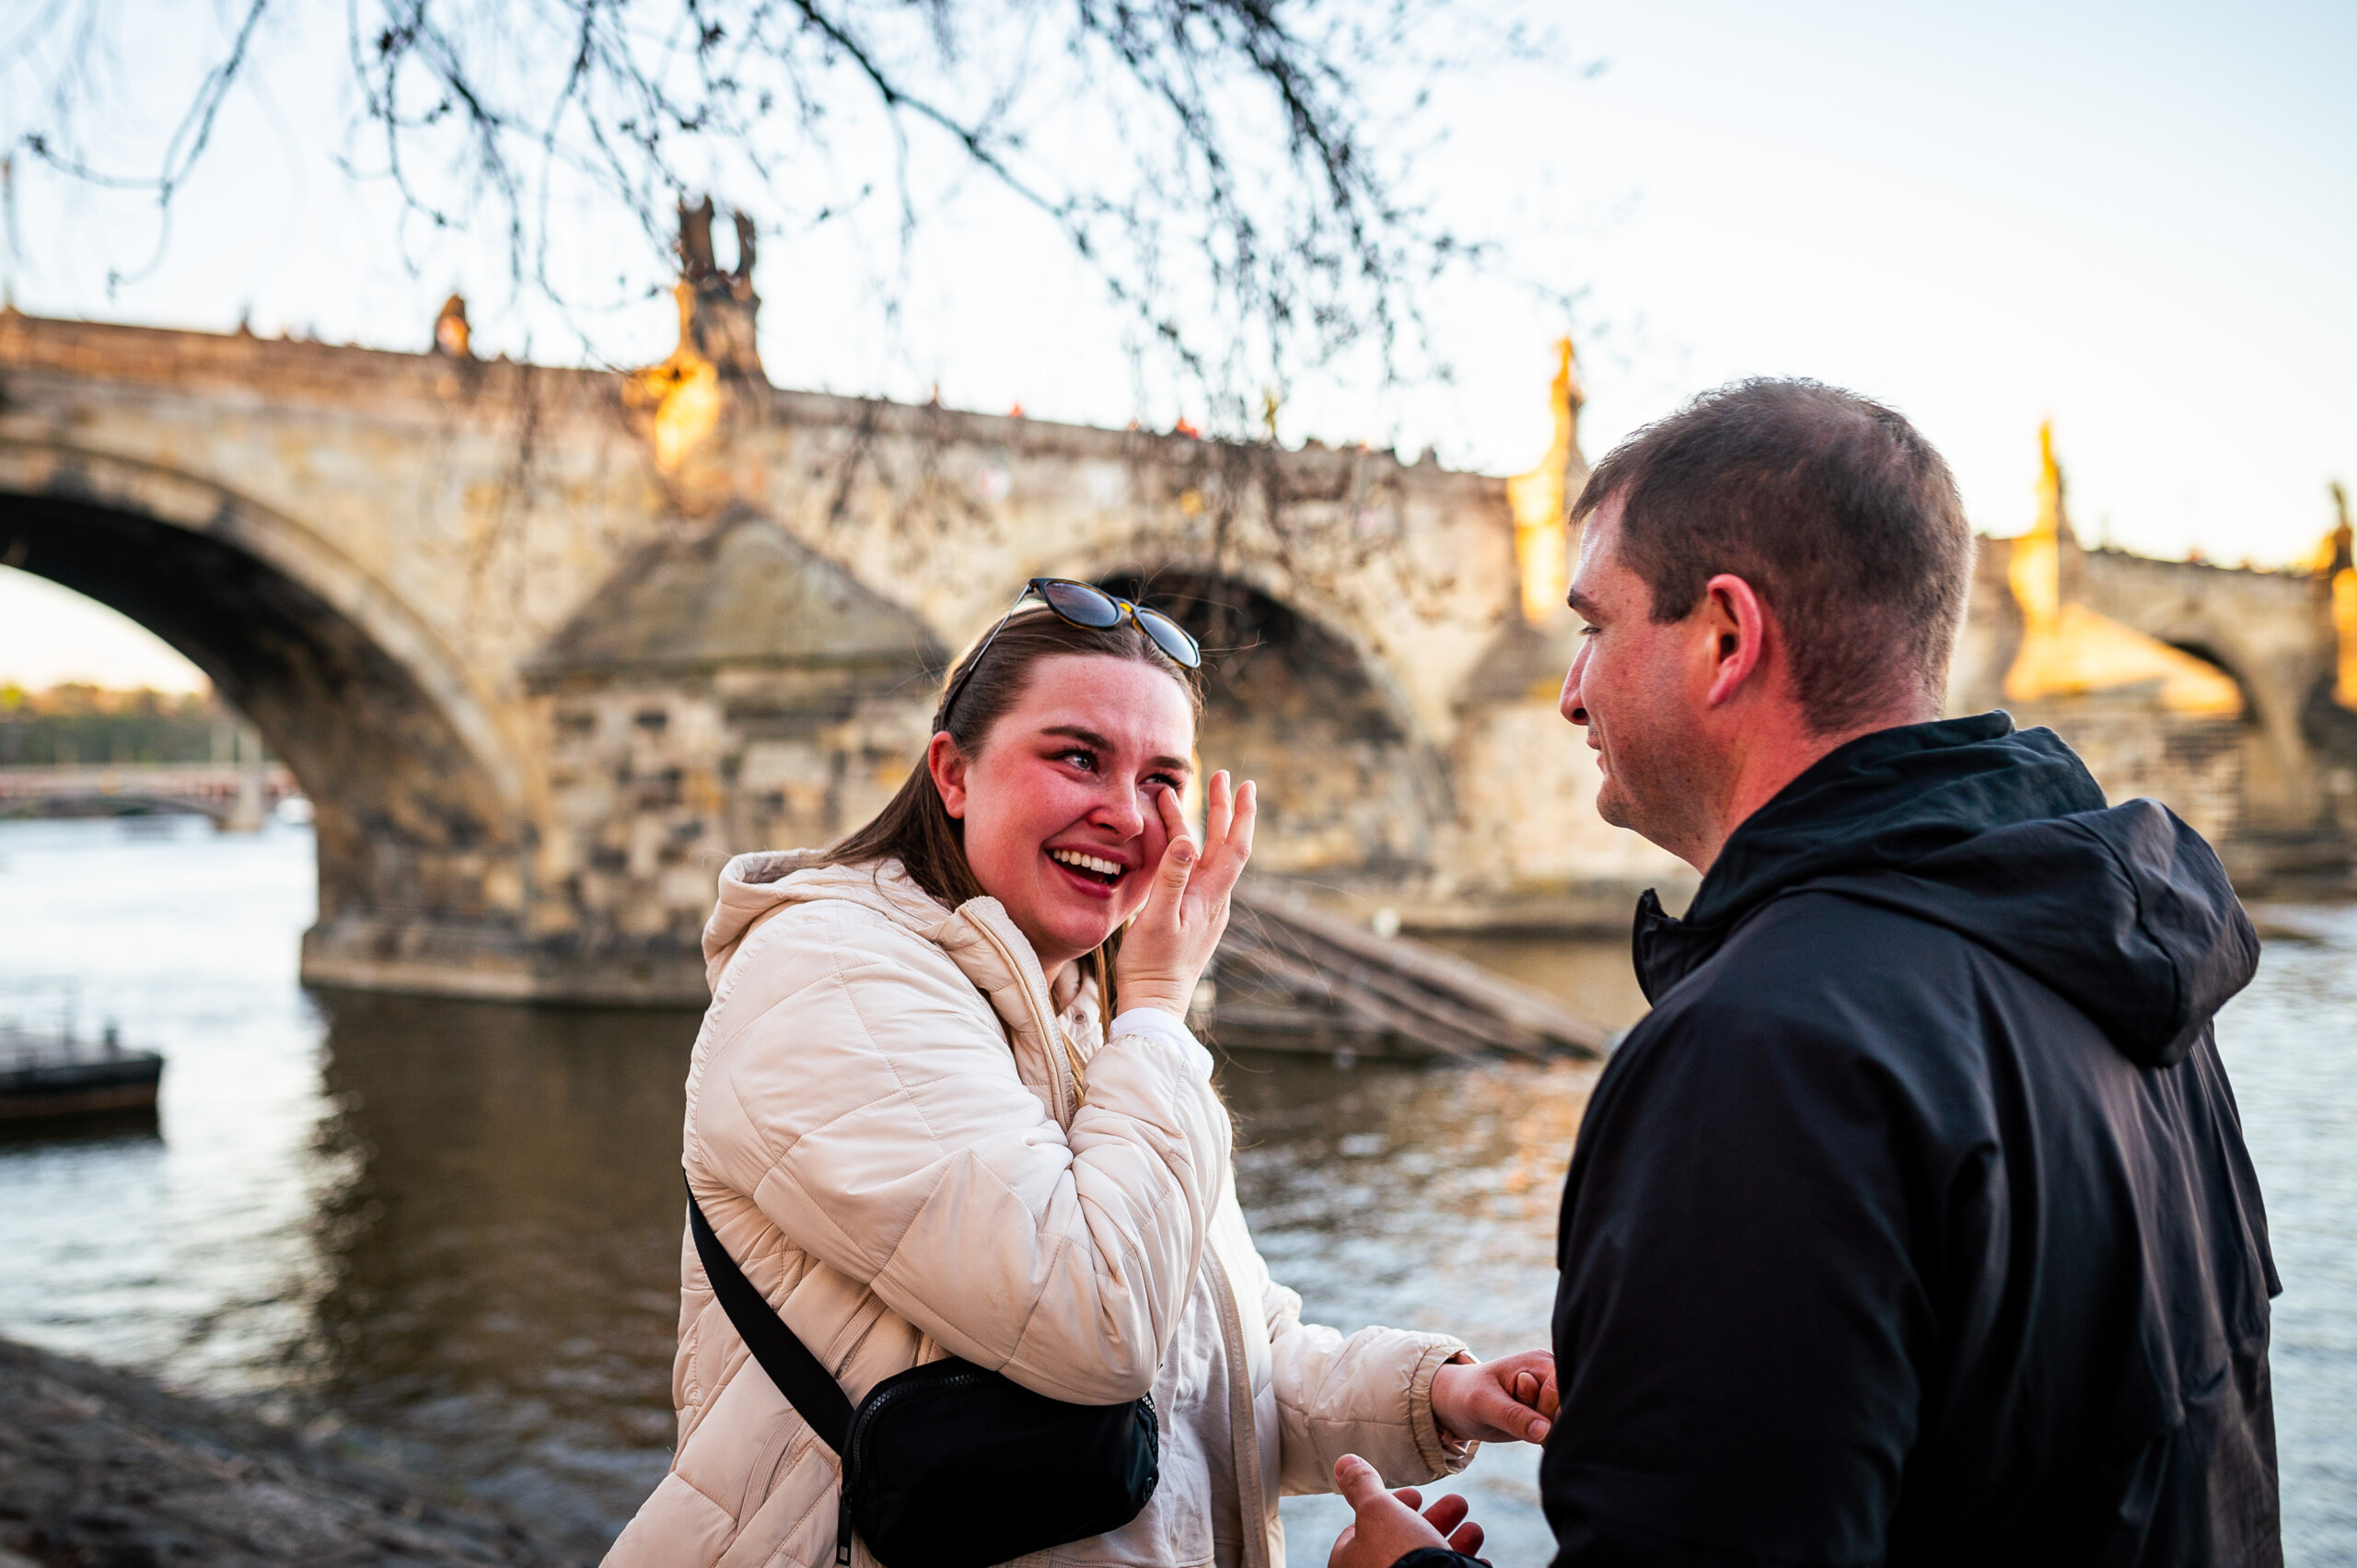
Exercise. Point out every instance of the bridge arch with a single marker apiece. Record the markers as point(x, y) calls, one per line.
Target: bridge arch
point(1351, 789)
point(421, 803)
point(2198, 646)
point(2276, 764)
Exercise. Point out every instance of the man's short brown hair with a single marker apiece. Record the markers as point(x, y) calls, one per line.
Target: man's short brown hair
point(1837, 512)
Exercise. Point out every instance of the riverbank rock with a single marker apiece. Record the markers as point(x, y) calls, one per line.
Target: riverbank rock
point(103, 1469)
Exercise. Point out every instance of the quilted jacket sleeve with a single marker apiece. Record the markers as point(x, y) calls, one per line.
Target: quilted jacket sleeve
point(1369, 1393)
point(861, 1091)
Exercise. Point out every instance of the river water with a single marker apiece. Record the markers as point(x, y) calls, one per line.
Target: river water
point(449, 1231)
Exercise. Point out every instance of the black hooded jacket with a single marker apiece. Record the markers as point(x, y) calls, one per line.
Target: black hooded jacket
point(1914, 1223)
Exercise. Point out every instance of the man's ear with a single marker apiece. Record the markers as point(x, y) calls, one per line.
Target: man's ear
point(948, 767)
point(1737, 625)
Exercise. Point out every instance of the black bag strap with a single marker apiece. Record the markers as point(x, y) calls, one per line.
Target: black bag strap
point(799, 1375)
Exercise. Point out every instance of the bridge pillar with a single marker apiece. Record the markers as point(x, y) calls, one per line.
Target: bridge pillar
point(247, 815)
point(728, 692)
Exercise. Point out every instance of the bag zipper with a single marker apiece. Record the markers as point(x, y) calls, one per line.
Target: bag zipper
point(855, 1443)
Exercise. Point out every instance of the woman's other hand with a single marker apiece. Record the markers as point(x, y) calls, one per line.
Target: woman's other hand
point(1511, 1399)
point(1387, 1528)
point(1173, 937)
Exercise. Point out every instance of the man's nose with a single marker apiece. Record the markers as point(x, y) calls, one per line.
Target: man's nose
point(1572, 704)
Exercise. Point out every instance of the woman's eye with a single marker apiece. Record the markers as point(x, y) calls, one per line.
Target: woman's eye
point(1176, 786)
point(1085, 761)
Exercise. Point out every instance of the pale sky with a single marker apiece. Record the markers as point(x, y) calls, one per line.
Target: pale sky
point(2138, 220)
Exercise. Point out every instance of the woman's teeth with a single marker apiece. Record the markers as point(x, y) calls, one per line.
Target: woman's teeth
point(1104, 869)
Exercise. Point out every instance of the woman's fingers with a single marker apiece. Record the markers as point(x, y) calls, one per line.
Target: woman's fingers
point(1219, 810)
point(1176, 932)
point(1173, 812)
point(1179, 858)
point(1223, 857)
point(1182, 850)
point(1488, 1404)
point(1533, 1382)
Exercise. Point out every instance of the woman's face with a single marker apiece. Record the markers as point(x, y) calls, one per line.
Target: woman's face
point(1058, 805)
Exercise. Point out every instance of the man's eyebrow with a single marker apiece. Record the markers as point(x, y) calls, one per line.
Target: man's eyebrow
point(1090, 738)
point(1584, 606)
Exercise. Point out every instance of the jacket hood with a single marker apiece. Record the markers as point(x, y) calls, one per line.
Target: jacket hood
point(755, 886)
point(979, 934)
point(2001, 836)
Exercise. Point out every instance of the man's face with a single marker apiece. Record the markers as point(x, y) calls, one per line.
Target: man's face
point(1638, 686)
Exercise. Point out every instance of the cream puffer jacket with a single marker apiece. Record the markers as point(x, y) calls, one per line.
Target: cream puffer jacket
point(887, 1128)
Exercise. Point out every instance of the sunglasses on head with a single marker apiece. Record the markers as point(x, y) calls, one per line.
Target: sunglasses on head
point(1083, 604)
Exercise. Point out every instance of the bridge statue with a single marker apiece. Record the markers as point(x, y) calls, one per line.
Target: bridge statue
point(544, 646)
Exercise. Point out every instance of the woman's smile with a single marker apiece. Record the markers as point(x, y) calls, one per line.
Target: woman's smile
point(1094, 874)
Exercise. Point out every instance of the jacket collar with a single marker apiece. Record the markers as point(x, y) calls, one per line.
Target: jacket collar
point(1882, 801)
point(1052, 1043)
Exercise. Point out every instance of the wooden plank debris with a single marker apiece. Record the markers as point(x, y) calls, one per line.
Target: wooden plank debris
point(1292, 977)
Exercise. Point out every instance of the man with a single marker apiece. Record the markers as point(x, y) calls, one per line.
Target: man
point(1914, 1223)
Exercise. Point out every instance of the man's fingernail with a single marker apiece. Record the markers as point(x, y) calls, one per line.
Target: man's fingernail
point(1539, 1431)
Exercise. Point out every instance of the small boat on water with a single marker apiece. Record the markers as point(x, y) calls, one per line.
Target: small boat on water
point(49, 1077)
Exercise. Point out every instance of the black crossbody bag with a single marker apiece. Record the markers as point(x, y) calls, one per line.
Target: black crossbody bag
point(945, 1465)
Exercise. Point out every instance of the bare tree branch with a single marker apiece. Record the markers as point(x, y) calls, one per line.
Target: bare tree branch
point(1232, 170)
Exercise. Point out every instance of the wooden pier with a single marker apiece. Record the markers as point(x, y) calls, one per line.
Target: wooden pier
point(1290, 977)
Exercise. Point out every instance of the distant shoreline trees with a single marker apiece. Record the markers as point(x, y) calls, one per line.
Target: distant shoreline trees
point(76, 723)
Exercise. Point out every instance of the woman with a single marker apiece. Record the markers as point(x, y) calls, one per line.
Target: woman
point(909, 1126)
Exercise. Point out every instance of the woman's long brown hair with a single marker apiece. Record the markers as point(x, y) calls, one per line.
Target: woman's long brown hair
point(915, 827)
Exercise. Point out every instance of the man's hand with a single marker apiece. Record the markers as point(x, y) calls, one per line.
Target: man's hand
point(1388, 1527)
point(1511, 1399)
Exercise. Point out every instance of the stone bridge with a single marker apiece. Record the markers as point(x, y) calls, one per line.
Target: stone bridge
point(543, 646)
point(235, 796)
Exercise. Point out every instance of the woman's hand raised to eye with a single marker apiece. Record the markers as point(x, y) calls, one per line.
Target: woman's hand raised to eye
point(1175, 934)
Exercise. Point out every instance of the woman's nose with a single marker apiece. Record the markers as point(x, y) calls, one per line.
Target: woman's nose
point(1124, 808)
